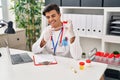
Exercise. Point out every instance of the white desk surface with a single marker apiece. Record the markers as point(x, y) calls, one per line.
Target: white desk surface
point(60, 71)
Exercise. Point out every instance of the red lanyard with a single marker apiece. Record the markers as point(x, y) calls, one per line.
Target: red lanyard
point(61, 36)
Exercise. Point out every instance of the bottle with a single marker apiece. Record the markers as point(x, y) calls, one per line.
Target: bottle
point(111, 59)
point(83, 55)
point(117, 60)
point(105, 57)
point(65, 24)
point(88, 62)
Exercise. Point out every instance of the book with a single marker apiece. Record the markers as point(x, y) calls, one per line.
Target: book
point(44, 59)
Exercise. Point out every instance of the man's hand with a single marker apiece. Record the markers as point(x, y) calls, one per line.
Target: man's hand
point(47, 34)
point(69, 28)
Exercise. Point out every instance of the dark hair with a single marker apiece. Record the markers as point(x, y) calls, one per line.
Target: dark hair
point(50, 7)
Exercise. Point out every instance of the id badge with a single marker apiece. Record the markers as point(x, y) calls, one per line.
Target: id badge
point(65, 42)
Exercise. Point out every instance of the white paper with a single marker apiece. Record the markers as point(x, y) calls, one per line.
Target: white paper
point(40, 58)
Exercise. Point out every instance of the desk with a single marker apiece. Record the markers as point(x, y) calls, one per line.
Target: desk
point(60, 71)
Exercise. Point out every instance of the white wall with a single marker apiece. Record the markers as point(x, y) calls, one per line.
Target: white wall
point(11, 16)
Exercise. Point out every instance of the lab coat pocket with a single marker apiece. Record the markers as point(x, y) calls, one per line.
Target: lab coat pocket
point(61, 49)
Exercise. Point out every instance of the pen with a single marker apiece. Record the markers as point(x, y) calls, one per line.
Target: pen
point(46, 63)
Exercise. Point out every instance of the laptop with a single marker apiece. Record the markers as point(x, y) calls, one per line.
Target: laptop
point(18, 58)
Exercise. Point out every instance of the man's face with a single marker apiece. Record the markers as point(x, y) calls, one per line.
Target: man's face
point(53, 18)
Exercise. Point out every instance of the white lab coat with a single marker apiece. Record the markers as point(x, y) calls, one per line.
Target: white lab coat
point(71, 50)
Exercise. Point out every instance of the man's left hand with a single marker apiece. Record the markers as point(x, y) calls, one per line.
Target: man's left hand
point(70, 31)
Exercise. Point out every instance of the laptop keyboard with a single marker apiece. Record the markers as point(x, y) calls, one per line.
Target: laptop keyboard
point(25, 57)
point(20, 58)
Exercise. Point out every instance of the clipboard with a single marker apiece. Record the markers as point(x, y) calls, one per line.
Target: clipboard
point(44, 59)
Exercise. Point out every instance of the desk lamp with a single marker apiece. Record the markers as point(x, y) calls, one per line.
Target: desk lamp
point(9, 29)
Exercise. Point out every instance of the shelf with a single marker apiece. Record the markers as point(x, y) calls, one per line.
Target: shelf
point(88, 44)
point(112, 39)
point(91, 36)
point(81, 7)
point(110, 47)
point(114, 67)
point(83, 10)
point(112, 9)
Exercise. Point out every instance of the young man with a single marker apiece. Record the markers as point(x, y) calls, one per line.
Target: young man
point(58, 38)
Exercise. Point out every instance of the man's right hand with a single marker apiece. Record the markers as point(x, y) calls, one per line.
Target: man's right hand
point(47, 34)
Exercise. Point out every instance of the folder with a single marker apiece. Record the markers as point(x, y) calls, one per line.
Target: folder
point(88, 24)
point(100, 25)
point(97, 25)
point(94, 25)
point(74, 18)
point(44, 59)
point(82, 24)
